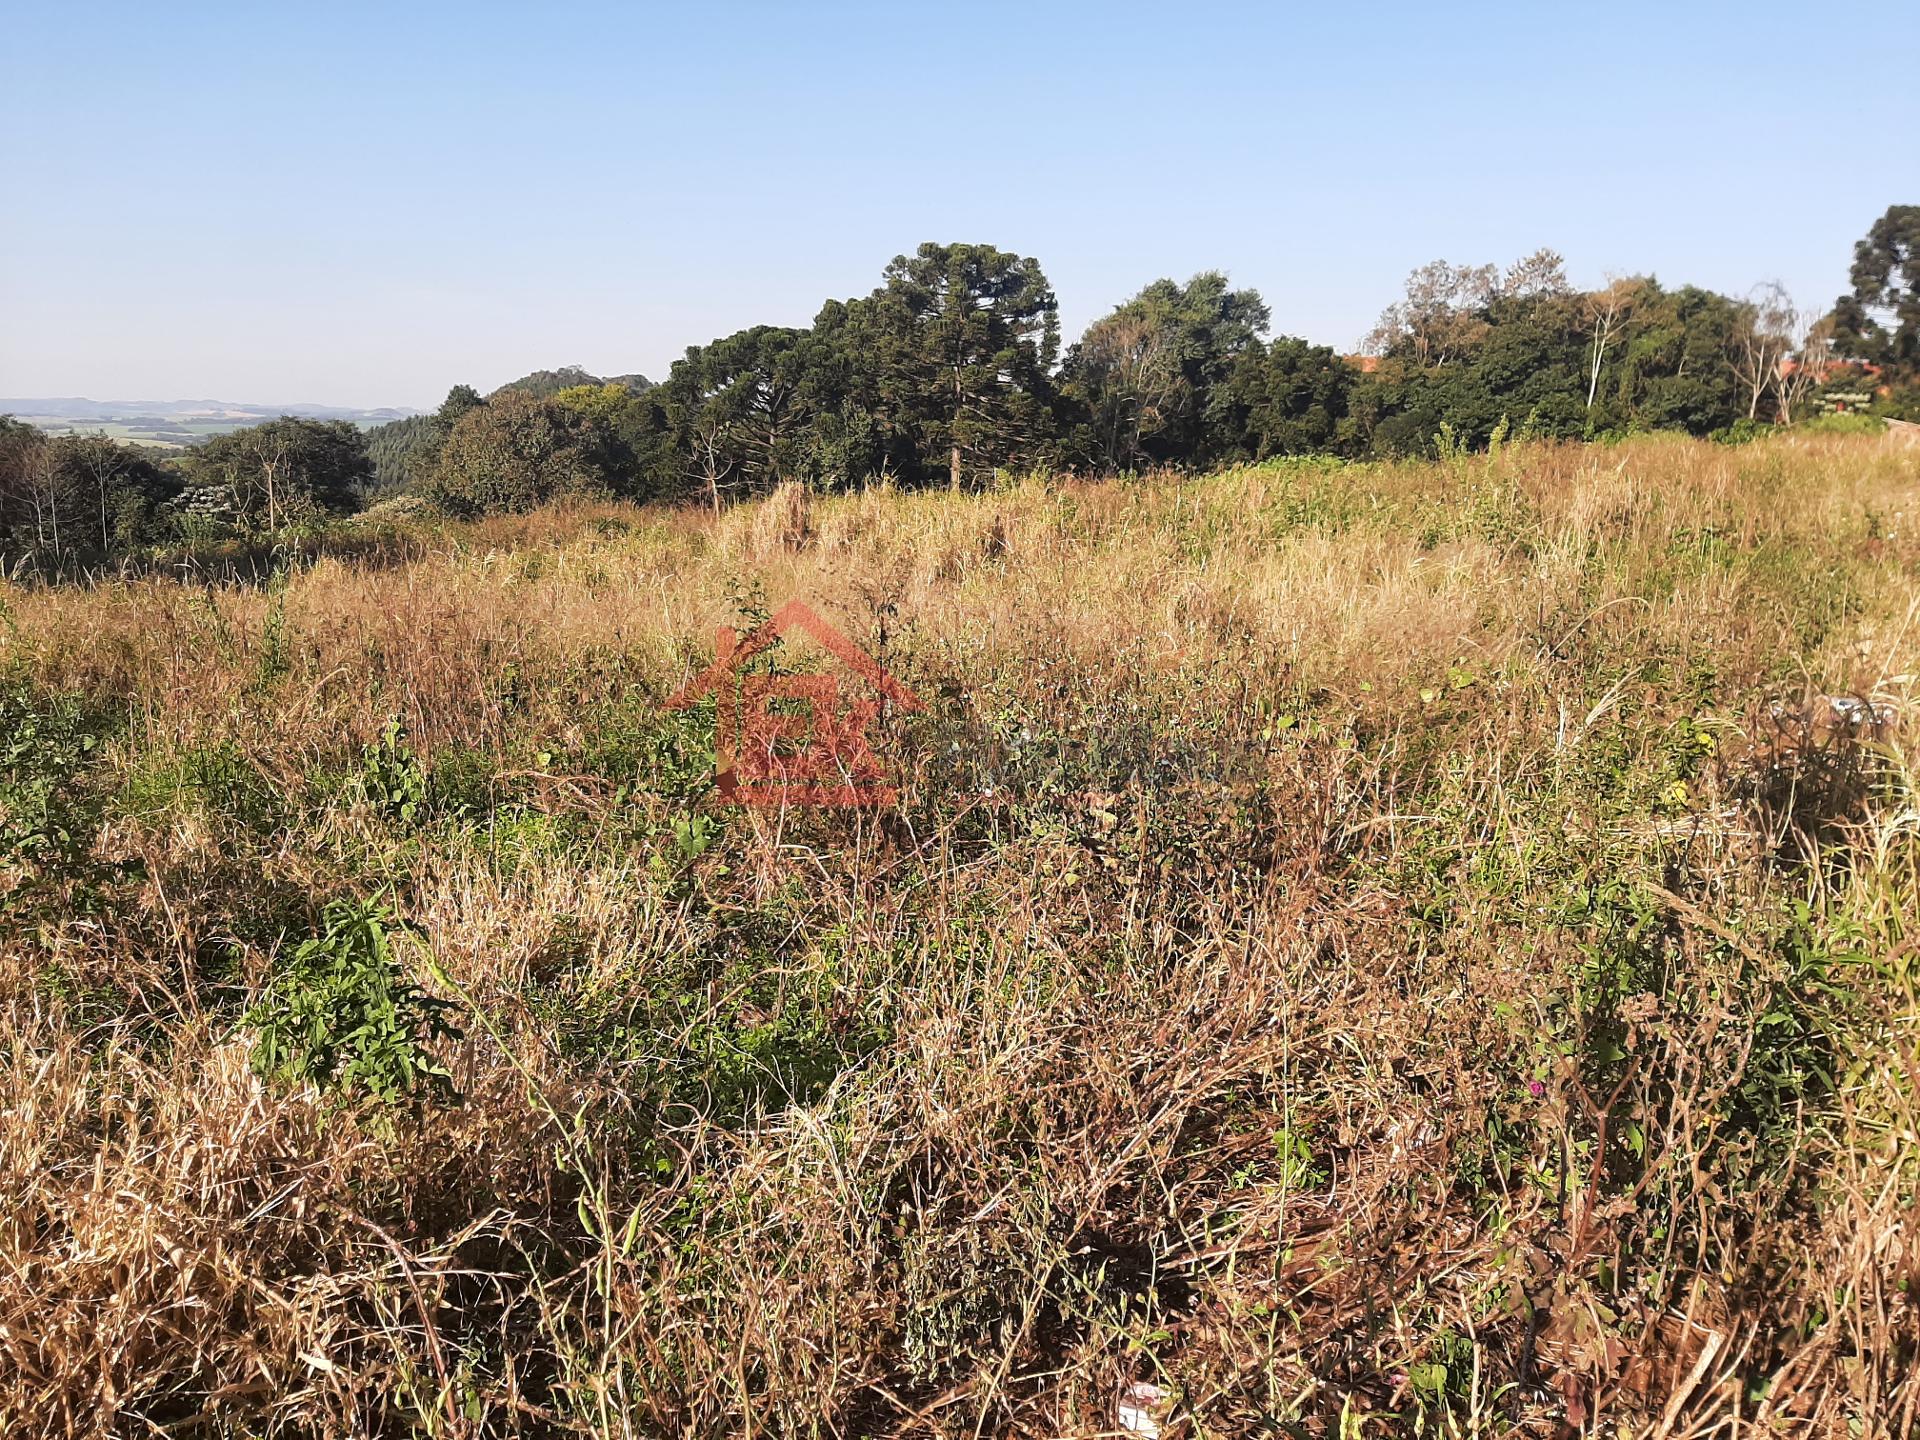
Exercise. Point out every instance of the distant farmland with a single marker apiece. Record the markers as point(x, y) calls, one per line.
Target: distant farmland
point(171, 425)
point(157, 433)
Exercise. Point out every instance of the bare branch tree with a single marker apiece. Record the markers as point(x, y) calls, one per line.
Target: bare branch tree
point(1140, 380)
point(1607, 310)
point(1761, 340)
point(46, 496)
point(1799, 375)
point(104, 464)
point(1440, 316)
point(1543, 274)
point(711, 462)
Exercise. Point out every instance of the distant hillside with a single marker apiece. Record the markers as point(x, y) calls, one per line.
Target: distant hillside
point(549, 382)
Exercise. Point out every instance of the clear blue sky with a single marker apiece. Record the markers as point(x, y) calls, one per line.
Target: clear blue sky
point(362, 204)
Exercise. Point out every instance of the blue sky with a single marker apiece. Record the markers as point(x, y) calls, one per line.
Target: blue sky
point(364, 204)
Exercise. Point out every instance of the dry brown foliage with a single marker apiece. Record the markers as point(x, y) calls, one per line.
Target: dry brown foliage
point(1425, 965)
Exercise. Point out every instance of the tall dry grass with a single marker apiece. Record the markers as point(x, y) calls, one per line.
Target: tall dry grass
point(1365, 950)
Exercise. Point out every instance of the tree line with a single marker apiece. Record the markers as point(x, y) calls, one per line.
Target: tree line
point(952, 369)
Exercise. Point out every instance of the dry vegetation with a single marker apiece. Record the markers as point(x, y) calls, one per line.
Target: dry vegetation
point(1431, 961)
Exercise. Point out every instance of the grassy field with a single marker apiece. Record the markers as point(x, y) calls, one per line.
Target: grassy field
point(1359, 951)
point(154, 433)
point(164, 435)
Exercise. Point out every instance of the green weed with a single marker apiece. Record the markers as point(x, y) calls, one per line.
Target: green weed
point(340, 1014)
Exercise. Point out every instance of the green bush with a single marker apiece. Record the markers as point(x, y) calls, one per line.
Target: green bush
point(340, 1014)
point(1743, 431)
point(1844, 422)
point(392, 781)
point(45, 744)
point(518, 451)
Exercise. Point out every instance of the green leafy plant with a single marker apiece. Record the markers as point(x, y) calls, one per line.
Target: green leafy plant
point(392, 780)
point(1440, 1379)
point(1293, 1150)
point(340, 1014)
point(45, 744)
point(685, 839)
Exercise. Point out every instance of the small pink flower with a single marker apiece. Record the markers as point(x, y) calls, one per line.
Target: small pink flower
point(1536, 1088)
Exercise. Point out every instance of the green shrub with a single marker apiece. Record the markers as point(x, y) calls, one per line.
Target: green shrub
point(45, 744)
point(1743, 431)
point(392, 781)
point(340, 1014)
point(1844, 422)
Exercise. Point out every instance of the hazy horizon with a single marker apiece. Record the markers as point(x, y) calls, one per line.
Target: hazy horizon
point(337, 206)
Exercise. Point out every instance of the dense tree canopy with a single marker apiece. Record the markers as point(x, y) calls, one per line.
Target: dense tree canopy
point(518, 450)
point(460, 399)
point(404, 451)
point(284, 470)
point(943, 372)
point(1286, 398)
point(76, 497)
point(1147, 373)
point(1470, 348)
point(400, 452)
point(543, 384)
point(731, 416)
point(950, 371)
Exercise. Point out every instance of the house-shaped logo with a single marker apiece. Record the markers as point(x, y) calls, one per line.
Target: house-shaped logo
point(814, 749)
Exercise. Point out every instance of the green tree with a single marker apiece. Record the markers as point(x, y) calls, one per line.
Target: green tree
point(1287, 398)
point(1527, 370)
point(1147, 373)
point(1466, 347)
point(963, 339)
point(121, 488)
point(1879, 319)
point(518, 451)
point(285, 470)
point(460, 399)
point(403, 452)
point(400, 451)
point(861, 425)
point(604, 403)
point(1673, 372)
point(77, 496)
point(545, 384)
point(1470, 348)
point(737, 412)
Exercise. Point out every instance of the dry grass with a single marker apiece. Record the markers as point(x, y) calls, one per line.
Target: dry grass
point(1431, 962)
